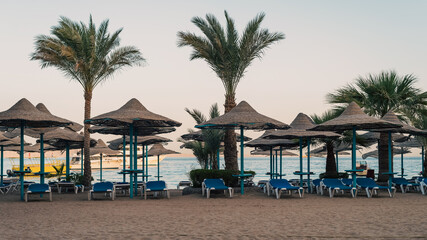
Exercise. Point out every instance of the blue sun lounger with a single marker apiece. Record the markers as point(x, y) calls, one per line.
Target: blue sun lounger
point(333, 185)
point(215, 184)
point(38, 188)
point(347, 182)
point(279, 185)
point(103, 187)
point(156, 186)
point(372, 187)
point(404, 184)
point(317, 185)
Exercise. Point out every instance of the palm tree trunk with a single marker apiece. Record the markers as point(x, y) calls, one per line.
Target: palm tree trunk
point(230, 148)
point(331, 165)
point(87, 169)
point(383, 157)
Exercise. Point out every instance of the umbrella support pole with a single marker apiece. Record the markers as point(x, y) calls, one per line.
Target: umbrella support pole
point(271, 162)
point(135, 163)
point(217, 159)
point(158, 168)
point(336, 159)
point(277, 170)
point(1, 149)
point(131, 161)
point(402, 170)
point(353, 158)
point(143, 162)
point(124, 157)
point(100, 167)
point(242, 191)
point(390, 170)
point(21, 161)
point(67, 160)
point(281, 160)
point(308, 165)
point(422, 160)
point(81, 161)
point(301, 180)
point(146, 163)
point(41, 159)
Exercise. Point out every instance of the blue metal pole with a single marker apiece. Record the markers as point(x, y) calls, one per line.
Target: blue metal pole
point(143, 162)
point(242, 191)
point(100, 166)
point(21, 161)
point(273, 167)
point(402, 170)
point(146, 163)
point(67, 160)
point(158, 168)
point(81, 161)
point(390, 170)
point(2, 148)
point(277, 165)
point(353, 157)
point(336, 158)
point(422, 160)
point(281, 160)
point(135, 163)
point(300, 163)
point(124, 158)
point(131, 160)
point(308, 165)
point(218, 160)
point(271, 162)
point(41, 159)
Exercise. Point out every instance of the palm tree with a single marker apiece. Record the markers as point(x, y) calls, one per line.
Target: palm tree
point(228, 54)
point(378, 94)
point(206, 151)
point(419, 120)
point(87, 55)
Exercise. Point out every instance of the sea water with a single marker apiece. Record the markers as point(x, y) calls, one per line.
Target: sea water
point(175, 170)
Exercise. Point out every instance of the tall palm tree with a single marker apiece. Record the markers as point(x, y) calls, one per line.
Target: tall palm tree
point(378, 94)
point(87, 55)
point(206, 151)
point(228, 54)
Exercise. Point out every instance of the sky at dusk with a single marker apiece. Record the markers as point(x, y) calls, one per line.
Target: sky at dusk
point(328, 44)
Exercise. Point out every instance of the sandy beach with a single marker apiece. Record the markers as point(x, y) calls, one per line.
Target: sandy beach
point(252, 216)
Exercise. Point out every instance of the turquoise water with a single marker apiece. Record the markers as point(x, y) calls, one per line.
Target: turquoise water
point(174, 170)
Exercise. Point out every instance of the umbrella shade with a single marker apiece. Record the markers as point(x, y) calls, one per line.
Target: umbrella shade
point(102, 148)
point(243, 115)
point(133, 112)
point(17, 148)
point(298, 129)
point(73, 126)
point(374, 153)
point(411, 143)
point(354, 117)
point(264, 143)
point(373, 137)
point(60, 137)
point(197, 136)
point(4, 138)
point(267, 153)
point(12, 142)
point(139, 131)
point(158, 149)
point(391, 117)
point(24, 111)
point(117, 144)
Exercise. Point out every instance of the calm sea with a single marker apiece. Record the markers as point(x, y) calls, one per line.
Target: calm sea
point(175, 170)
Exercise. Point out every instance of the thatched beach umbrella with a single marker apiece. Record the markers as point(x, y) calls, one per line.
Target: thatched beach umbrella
point(157, 150)
point(24, 114)
point(353, 118)
point(4, 141)
point(243, 116)
point(299, 130)
point(339, 149)
point(374, 153)
point(411, 143)
point(132, 115)
point(101, 148)
point(267, 153)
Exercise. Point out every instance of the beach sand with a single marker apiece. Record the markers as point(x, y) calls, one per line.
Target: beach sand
point(252, 216)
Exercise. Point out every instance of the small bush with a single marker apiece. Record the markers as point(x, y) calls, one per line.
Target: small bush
point(198, 175)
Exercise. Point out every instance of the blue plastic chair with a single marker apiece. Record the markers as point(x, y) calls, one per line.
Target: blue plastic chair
point(103, 187)
point(333, 185)
point(215, 184)
point(372, 187)
point(38, 188)
point(156, 186)
point(279, 185)
point(404, 184)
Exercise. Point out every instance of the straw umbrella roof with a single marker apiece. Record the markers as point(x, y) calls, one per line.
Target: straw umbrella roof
point(102, 148)
point(197, 135)
point(375, 136)
point(411, 143)
point(298, 129)
point(374, 153)
point(243, 115)
point(139, 131)
point(12, 142)
point(3, 138)
point(391, 117)
point(60, 137)
point(353, 116)
point(133, 112)
point(17, 148)
point(267, 153)
point(117, 144)
point(73, 126)
point(23, 110)
point(158, 149)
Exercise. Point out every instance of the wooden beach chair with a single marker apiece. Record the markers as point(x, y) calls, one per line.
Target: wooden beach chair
point(38, 188)
point(215, 184)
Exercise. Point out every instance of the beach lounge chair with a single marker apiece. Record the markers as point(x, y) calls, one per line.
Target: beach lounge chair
point(423, 186)
point(155, 186)
point(372, 187)
point(4, 188)
point(38, 188)
point(404, 184)
point(347, 181)
point(103, 187)
point(317, 186)
point(215, 184)
point(333, 185)
point(279, 185)
point(67, 185)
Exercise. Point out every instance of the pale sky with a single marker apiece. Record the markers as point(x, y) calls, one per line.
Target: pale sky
point(328, 44)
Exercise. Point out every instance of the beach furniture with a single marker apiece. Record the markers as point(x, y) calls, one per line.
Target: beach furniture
point(103, 187)
point(279, 185)
point(404, 184)
point(372, 188)
point(4, 188)
point(155, 186)
point(317, 186)
point(122, 187)
point(66, 185)
point(215, 184)
point(423, 185)
point(347, 182)
point(38, 188)
point(333, 185)
point(183, 184)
